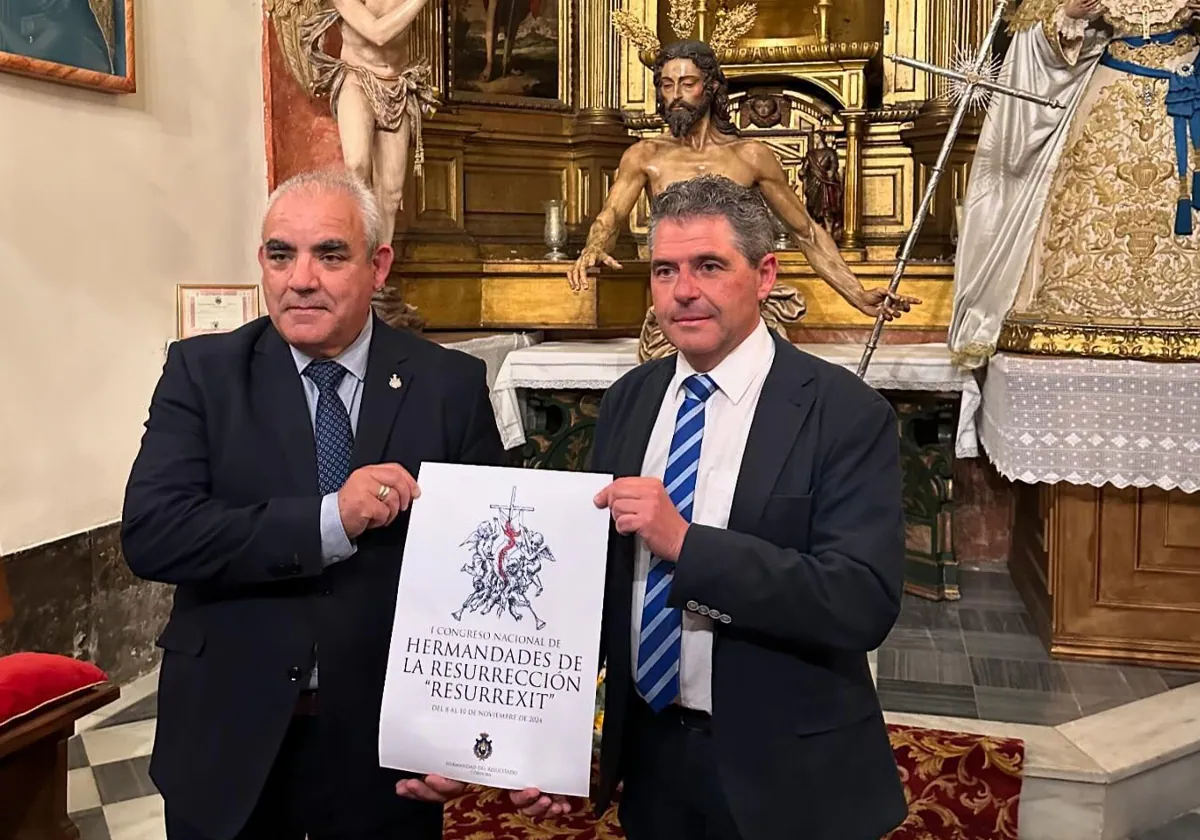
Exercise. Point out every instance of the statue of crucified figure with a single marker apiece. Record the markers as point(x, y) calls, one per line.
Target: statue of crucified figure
point(692, 95)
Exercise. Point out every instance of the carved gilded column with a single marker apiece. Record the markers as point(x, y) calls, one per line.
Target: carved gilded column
point(852, 209)
point(636, 82)
point(599, 62)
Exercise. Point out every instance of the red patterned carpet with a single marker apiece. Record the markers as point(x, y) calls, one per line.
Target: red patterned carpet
point(959, 787)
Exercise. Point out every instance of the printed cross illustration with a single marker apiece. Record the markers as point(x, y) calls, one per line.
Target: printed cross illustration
point(975, 81)
point(511, 508)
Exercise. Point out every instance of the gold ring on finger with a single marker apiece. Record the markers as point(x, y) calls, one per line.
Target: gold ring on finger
point(383, 492)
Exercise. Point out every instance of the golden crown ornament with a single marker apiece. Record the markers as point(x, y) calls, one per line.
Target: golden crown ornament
point(731, 25)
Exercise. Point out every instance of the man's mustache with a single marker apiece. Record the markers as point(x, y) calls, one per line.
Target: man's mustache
point(293, 301)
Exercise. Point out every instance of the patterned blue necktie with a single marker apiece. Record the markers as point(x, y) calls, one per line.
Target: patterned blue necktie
point(334, 437)
point(662, 626)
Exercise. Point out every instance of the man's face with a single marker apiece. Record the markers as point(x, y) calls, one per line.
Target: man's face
point(685, 101)
point(318, 278)
point(706, 295)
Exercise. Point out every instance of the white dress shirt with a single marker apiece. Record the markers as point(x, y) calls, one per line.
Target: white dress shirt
point(727, 417)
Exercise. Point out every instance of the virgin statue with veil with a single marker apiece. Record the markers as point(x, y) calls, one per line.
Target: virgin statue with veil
point(1085, 214)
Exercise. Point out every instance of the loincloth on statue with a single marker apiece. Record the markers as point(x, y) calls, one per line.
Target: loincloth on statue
point(783, 308)
point(409, 94)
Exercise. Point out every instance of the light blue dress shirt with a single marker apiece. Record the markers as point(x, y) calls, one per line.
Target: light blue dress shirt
point(335, 545)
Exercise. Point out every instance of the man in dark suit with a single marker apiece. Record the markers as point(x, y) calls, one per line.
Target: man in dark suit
point(272, 489)
point(756, 557)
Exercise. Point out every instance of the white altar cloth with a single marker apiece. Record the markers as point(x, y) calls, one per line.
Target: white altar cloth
point(1093, 421)
point(494, 349)
point(597, 364)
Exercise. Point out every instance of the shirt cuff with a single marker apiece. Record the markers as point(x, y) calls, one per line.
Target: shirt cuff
point(335, 545)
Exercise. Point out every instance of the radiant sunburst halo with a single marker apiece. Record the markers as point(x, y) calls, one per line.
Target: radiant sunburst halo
point(964, 63)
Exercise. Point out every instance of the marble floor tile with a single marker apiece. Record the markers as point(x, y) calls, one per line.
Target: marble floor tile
point(130, 694)
point(930, 698)
point(1017, 706)
point(1005, 646)
point(124, 780)
point(1097, 680)
point(925, 666)
point(1178, 679)
point(1143, 682)
point(144, 709)
point(117, 743)
point(76, 756)
point(1015, 621)
point(991, 672)
point(1186, 827)
point(92, 825)
point(908, 638)
point(82, 794)
point(136, 819)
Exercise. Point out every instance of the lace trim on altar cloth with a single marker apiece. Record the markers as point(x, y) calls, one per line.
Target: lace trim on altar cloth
point(1093, 421)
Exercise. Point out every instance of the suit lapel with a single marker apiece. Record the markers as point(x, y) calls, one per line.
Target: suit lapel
point(388, 380)
point(786, 401)
point(278, 397)
point(636, 436)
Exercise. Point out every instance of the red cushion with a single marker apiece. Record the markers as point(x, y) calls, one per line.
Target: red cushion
point(29, 681)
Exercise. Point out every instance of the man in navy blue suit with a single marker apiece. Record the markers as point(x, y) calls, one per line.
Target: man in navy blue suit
point(272, 489)
point(756, 555)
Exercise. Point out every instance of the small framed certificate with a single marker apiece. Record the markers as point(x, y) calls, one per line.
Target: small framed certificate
point(215, 309)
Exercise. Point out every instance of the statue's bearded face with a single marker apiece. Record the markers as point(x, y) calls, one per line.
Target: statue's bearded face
point(684, 99)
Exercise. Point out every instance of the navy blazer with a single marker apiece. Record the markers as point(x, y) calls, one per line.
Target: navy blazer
point(807, 577)
point(223, 502)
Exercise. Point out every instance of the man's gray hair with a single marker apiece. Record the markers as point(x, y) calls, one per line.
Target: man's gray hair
point(332, 180)
point(717, 196)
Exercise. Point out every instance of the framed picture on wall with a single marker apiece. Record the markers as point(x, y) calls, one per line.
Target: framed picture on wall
point(215, 309)
point(84, 43)
point(510, 52)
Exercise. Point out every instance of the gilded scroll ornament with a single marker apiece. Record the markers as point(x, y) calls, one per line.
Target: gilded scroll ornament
point(1104, 341)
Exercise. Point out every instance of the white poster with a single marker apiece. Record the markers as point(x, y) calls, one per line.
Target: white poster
point(492, 673)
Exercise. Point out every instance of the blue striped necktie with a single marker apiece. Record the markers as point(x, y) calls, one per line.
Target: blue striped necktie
point(662, 626)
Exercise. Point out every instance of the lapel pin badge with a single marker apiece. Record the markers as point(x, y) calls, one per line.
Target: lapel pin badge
point(394, 382)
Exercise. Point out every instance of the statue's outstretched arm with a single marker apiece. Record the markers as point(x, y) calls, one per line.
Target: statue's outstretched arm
point(381, 30)
point(816, 243)
point(627, 186)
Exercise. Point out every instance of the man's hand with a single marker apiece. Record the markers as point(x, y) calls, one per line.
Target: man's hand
point(533, 803)
point(869, 302)
point(373, 496)
point(641, 506)
point(588, 258)
point(430, 789)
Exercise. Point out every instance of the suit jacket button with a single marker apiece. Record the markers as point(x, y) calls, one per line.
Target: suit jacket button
point(706, 611)
point(725, 619)
point(294, 673)
point(693, 606)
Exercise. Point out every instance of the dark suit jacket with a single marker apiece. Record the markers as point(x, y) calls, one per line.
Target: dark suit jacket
point(223, 502)
point(809, 573)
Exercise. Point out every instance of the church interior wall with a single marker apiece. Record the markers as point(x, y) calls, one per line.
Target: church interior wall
point(109, 202)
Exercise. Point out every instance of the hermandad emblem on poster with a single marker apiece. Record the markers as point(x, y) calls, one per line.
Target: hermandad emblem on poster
point(495, 641)
point(505, 565)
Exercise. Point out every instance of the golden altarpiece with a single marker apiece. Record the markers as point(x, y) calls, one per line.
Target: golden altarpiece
point(810, 76)
point(472, 233)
